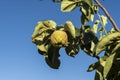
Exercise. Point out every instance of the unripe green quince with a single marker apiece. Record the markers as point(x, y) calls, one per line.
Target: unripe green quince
point(59, 38)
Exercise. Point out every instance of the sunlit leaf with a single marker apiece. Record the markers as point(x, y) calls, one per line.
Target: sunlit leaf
point(68, 6)
point(84, 10)
point(49, 24)
point(87, 11)
point(95, 26)
point(95, 8)
point(103, 20)
point(45, 24)
point(92, 17)
point(108, 65)
point(104, 42)
point(117, 47)
point(70, 28)
point(102, 61)
point(100, 64)
point(100, 67)
point(93, 66)
point(37, 29)
point(43, 29)
point(43, 48)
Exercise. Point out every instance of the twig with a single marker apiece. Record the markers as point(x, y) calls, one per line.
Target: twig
point(108, 15)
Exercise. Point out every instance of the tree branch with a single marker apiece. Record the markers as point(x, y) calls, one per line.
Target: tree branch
point(108, 15)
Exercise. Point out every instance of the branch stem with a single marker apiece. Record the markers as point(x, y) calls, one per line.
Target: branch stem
point(108, 15)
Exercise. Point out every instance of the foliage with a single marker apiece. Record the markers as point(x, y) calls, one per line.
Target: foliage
point(92, 39)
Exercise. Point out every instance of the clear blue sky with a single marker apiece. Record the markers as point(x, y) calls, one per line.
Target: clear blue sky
point(19, 59)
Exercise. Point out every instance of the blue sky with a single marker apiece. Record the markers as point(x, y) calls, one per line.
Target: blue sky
point(19, 59)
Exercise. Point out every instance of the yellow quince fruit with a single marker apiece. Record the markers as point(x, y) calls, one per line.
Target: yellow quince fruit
point(59, 38)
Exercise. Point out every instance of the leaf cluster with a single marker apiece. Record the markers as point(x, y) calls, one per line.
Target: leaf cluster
point(45, 43)
point(84, 38)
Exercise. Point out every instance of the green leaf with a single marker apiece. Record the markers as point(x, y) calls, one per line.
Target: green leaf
point(37, 29)
point(70, 28)
point(88, 40)
point(95, 26)
point(46, 24)
point(92, 17)
point(100, 67)
point(88, 48)
point(103, 20)
point(49, 24)
point(39, 39)
point(108, 65)
point(84, 10)
point(60, 27)
point(98, 74)
point(52, 57)
point(102, 60)
point(89, 36)
point(95, 8)
point(42, 30)
point(93, 66)
point(77, 32)
point(68, 6)
point(42, 38)
point(117, 47)
point(101, 35)
point(111, 31)
point(114, 73)
point(87, 11)
point(84, 20)
point(87, 15)
point(41, 48)
point(72, 50)
point(101, 29)
point(89, 2)
point(105, 41)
